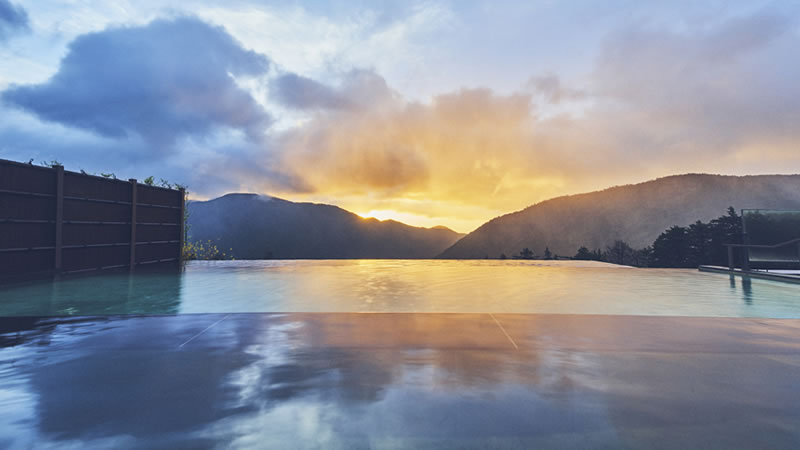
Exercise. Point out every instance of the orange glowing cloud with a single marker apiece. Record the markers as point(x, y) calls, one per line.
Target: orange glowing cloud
point(464, 157)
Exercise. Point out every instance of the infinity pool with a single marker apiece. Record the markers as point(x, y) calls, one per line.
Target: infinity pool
point(567, 287)
point(472, 354)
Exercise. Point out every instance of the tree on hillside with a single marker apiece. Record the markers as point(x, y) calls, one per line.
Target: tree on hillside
point(526, 253)
point(698, 240)
point(643, 257)
point(670, 248)
point(547, 254)
point(584, 254)
point(620, 253)
point(699, 243)
point(684, 247)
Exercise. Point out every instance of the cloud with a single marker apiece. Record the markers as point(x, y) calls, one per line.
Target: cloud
point(299, 92)
point(666, 70)
point(549, 86)
point(13, 19)
point(163, 99)
point(358, 89)
point(162, 81)
point(466, 146)
point(703, 92)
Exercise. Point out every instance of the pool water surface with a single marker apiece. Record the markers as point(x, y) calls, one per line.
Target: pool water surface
point(453, 354)
point(564, 287)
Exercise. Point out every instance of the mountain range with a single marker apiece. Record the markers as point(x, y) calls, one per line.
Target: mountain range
point(635, 213)
point(251, 226)
point(255, 226)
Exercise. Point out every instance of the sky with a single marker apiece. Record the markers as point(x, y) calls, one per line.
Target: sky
point(431, 113)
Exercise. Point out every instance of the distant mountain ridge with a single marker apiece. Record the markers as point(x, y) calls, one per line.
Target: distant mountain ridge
point(635, 213)
point(261, 227)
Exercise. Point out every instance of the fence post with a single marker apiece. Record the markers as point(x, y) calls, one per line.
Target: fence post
point(182, 225)
point(133, 223)
point(59, 217)
point(731, 265)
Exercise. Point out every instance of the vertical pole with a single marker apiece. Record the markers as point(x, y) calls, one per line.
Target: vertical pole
point(59, 217)
point(182, 225)
point(730, 258)
point(746, 242)
point(133, 223)
point(746, 252)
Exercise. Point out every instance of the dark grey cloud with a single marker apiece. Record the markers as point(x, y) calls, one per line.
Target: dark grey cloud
point(549, 86)
point(162, 81)
point(13, 19)
point(236, 169)
point(299, 92)
point(358, 89)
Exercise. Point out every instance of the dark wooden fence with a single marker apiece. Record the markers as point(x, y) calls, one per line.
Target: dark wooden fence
point(56, 221)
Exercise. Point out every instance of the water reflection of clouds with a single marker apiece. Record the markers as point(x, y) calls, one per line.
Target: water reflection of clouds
point(249, 379)
point(356, 380)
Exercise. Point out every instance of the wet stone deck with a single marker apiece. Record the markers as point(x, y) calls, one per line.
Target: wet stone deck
point(399, 380)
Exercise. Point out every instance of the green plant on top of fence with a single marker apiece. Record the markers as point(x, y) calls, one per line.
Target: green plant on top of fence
point(192, 250)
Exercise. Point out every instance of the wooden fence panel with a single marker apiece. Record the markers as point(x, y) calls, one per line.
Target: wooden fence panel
point(96, 188)
point(148, 253)
point(147, 233)
point(81, 210)
point(53, 220)
point(24, 263)
point(27, 235)
point(156, 195)
point(26, 207)
point(27, 178)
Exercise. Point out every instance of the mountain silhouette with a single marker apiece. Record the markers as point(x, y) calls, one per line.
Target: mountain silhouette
point(251, 226)
point(636, 214)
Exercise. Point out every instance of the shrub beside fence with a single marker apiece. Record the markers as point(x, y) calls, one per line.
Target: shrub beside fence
point(57, 221)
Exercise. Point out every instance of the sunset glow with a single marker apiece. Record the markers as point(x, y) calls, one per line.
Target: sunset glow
point(356, 106)
point(418, 220)
point(336, 224)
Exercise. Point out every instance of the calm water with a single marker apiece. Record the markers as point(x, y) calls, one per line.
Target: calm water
point(405, 286)
point(389, 381)
point(400, 380)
